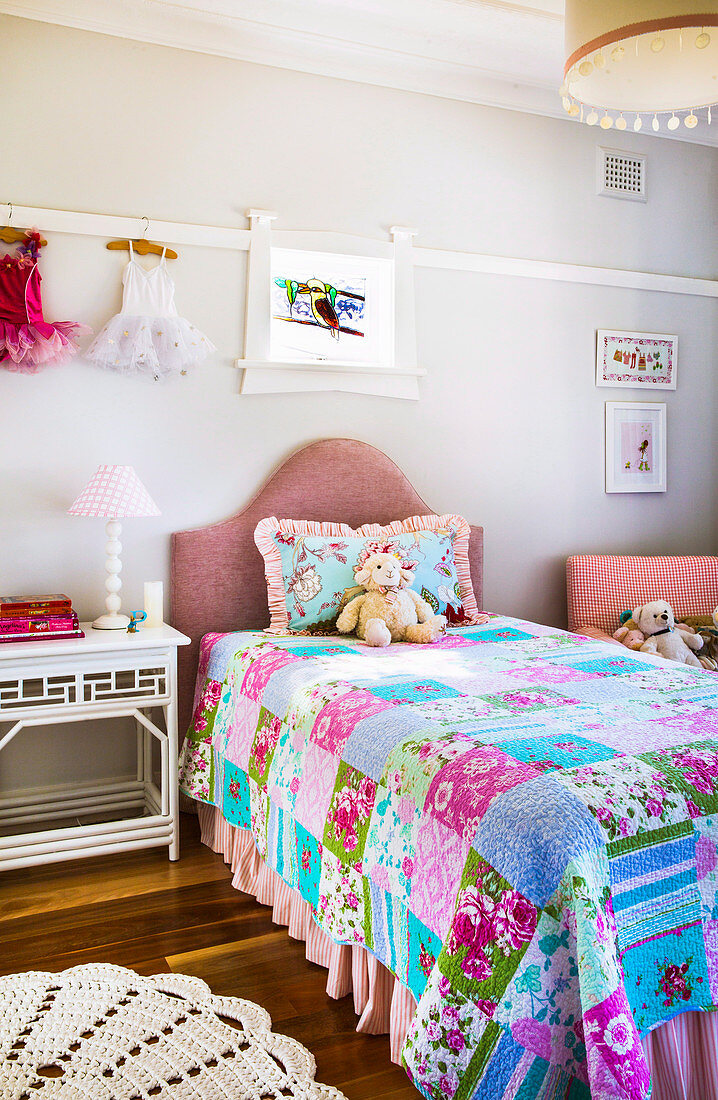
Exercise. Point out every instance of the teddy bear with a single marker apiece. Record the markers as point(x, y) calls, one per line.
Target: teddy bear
point(387, 611)
point(657, 621)
point(628, 633)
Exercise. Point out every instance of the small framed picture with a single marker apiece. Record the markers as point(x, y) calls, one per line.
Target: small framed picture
point(640, 360)
point(635, 447)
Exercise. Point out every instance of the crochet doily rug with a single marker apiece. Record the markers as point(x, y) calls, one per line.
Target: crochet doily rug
point(101, 1032)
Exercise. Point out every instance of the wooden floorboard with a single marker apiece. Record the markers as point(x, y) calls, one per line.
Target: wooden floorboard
point(141, 911)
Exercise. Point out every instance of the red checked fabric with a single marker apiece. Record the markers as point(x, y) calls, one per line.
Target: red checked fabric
point(600, 587)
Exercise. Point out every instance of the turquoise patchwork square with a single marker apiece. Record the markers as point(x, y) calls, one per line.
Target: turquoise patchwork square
point(608, 666)
point(424, 948)
point(497, 634)
point(309, 862)
point(235, 796)
point(666, 975)
point(410, 691)
point(316, 650)
point(556, 752)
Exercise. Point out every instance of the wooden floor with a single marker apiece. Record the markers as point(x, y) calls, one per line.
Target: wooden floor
point(141, 911)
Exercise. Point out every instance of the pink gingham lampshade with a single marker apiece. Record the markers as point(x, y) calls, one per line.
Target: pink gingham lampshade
point(114, 492)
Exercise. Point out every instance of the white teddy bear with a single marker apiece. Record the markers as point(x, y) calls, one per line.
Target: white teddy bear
point(658, 623)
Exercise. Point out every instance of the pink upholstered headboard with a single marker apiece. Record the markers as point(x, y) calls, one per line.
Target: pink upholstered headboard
point(217, 577)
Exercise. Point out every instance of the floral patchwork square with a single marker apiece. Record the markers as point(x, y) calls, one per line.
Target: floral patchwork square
point(242, 729)
point(627, 795)
point(492, 927)
point(341, 900)
point(350, 809)
point(389, 855)
point(319, 650)
point(265, 742)
point(336, 721)
point(463, 790)
point(528, 699)
point(693, 769)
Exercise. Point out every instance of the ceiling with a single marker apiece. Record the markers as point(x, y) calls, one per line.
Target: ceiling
point(495, 52)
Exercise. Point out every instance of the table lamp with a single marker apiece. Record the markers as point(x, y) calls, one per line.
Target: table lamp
point(114, 492)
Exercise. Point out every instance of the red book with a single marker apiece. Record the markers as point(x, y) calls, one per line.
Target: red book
point(30, 606)
point(43, 637)
point(41, 625)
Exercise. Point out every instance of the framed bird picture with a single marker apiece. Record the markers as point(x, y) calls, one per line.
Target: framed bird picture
point(635, 447)
point(331, 308)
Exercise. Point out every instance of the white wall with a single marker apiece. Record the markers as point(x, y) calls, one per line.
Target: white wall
point(509, 429)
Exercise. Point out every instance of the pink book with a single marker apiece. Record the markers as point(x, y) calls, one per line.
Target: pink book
point(43, 637)
point(49, 623)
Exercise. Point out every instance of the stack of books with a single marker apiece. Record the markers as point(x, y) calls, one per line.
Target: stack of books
point(36, 618)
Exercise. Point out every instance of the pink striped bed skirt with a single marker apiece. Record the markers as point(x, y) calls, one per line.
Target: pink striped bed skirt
point(682, 1054)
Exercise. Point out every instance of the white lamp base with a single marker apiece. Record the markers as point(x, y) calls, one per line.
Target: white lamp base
point(111, 622)
point(112, 619)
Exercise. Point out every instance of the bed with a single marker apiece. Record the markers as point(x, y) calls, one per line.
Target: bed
point(505, 844)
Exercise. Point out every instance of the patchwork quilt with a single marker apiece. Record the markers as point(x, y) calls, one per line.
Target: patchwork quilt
point(521, 824)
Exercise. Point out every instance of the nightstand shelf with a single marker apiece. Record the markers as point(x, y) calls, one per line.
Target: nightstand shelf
point(106, 674)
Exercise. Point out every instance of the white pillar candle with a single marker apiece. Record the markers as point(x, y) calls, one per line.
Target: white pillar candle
point(153, 604)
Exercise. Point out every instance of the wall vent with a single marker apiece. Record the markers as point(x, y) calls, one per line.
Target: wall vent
point(621, 175)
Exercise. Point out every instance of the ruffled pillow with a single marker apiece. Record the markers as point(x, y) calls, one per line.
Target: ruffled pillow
point(310, 567)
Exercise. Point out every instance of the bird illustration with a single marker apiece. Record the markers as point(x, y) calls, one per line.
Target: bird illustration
point(322, 309)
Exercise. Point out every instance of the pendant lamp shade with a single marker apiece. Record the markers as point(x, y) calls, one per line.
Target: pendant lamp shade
point(644, 56)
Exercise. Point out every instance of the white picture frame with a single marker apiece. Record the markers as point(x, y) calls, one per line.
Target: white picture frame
point(636, 360)
point(359, 299)
point(382, 364)
point(635, 447)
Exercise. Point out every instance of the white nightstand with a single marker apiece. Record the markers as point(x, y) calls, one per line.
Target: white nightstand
point(106, 674)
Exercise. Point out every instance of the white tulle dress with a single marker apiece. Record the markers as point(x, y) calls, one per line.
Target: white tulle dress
point(148, 336)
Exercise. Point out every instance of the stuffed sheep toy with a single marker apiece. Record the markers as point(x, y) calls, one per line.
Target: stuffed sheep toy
point(388, 611)
point(658, 623)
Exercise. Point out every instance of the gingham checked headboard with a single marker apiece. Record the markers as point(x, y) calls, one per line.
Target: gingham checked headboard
point(600, 587)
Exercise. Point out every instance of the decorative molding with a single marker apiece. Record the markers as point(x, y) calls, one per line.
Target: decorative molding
point(111, 225)
point(487, 264)
point(215, 236)
point(524, 81)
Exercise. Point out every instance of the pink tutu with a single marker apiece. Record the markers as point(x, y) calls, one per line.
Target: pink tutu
point(28, 347)
point(27, 340)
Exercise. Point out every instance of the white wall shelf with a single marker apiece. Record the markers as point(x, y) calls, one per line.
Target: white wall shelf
point(216, 236)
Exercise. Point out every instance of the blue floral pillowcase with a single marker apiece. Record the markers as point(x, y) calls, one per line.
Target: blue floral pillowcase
point(318, 572)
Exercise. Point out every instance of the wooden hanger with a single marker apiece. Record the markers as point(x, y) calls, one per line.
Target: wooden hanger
point(142, 246)
point(12, 236)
